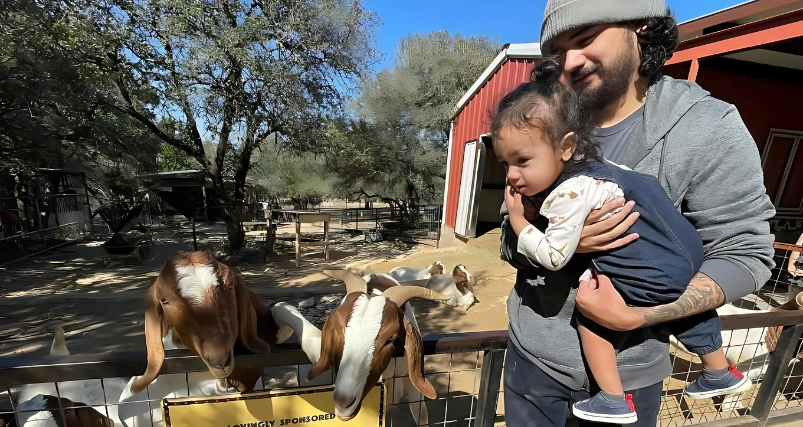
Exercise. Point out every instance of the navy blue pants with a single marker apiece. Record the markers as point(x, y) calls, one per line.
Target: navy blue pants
point(534, 399)
point(700, 334)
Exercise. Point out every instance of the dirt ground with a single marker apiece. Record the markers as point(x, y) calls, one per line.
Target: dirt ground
point(99, 301)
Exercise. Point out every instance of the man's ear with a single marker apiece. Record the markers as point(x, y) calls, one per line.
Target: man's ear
point(567, 146)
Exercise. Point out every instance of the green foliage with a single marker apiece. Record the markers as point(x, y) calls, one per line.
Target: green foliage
point(301, 177)
point(230, 73)
point(431, 73)
point(172, 159)
point(396, 149)
point(52, 109)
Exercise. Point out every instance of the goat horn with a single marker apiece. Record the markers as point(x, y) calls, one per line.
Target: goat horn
point(354, 283)
point(401, 294)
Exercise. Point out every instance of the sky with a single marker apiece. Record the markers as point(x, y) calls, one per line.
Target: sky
point(511, 21)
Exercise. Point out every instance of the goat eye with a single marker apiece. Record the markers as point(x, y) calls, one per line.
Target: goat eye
point(164, 301)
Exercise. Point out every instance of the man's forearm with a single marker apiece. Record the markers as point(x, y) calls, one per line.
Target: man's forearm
point(703, 294)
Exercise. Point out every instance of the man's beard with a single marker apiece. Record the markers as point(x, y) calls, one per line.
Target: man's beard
point(614, 81)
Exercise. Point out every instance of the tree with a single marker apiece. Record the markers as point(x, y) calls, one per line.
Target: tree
point(431, 73)
point(52, 112)
point(395, 149)
point(301, 177)
point(230, 73)
point(395, 167)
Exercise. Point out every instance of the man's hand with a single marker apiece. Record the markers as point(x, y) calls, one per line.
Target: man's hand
point(598, 300)
point(598, 236)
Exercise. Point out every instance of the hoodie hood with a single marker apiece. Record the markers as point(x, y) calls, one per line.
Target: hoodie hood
point(668, 100)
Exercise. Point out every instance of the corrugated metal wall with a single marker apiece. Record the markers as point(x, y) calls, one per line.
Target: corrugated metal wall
point(475, 120)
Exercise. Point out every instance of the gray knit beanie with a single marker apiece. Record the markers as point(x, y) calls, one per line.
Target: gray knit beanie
point(564, 15)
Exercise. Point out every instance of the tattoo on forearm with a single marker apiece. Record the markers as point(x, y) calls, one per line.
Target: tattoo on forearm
point(703, 294)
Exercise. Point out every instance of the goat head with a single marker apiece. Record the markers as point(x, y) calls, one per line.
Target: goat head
point(362, 334)
point(206, 305)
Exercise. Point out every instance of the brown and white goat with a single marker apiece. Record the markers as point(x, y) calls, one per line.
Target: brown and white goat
point(204, 306)
point(360, 338)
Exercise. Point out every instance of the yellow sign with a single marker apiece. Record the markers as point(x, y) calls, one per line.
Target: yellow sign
point(314, 406)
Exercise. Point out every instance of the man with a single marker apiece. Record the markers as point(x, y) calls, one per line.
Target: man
point(611, 52)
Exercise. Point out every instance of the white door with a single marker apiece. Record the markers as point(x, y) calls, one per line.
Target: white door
point(466, 188)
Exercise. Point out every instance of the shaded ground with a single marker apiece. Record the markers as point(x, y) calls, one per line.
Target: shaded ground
point(98, 299)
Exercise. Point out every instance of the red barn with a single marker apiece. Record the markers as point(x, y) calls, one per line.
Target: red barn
point(475, 180)
point(750, 55)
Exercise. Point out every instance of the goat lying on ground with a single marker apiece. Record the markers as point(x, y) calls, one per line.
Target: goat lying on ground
point(459, 285)
point(360, 338)
point(409, 274)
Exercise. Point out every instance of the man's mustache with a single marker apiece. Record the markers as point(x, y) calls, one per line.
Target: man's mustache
point(586, 70)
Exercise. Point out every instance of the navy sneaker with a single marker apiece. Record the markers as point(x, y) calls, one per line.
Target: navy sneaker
point(602, 410)
point(731, 383)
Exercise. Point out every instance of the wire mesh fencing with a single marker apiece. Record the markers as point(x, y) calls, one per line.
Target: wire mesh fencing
point(100, 399)
point(753, 349)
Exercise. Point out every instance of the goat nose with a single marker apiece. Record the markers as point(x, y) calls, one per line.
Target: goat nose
point(220, 361)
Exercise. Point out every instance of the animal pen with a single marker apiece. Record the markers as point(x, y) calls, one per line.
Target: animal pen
point(466, 371)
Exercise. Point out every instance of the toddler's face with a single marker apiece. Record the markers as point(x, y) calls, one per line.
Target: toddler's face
point(531, 163)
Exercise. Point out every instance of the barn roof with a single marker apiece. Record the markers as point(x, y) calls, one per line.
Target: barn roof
point(509, 51)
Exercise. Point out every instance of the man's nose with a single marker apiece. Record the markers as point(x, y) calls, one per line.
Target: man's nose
point(575, 60)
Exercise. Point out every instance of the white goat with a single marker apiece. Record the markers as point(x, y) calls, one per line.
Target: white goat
point(459, 285)
point(359, 340)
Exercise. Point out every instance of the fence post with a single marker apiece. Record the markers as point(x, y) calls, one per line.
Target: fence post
point(194, 238)
point(490, 378)
point(779, 364)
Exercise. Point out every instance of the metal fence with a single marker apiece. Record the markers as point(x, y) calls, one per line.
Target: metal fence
point(30, 225)
point(424, 226)
point(747, 339)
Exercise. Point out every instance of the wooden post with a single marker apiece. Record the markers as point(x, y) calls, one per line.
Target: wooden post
point(194, 238)
point(776, 370)
point(490, 379)
point(326, 239)
point(298, 241)
point(695, 67)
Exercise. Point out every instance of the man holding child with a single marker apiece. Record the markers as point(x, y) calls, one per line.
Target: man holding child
point(610, 54)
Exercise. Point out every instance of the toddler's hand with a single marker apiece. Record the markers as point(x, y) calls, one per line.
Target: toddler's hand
point(515, 208)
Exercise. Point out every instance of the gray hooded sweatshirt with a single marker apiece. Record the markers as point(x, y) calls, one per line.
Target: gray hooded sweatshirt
point(709, 165)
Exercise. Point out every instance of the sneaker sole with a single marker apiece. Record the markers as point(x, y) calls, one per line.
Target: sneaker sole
point(740, 387)
point(600, 418)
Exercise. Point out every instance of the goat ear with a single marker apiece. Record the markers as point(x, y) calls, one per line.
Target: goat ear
point(325, 359)
point(414, 350)
point(247, 305)
point(154, 328)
